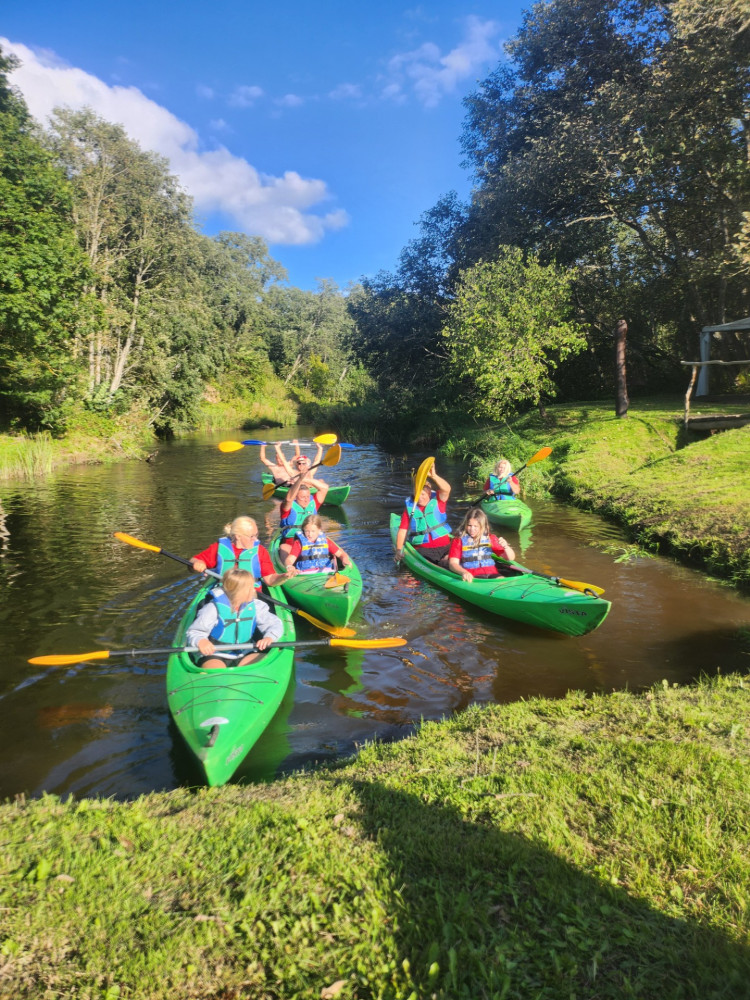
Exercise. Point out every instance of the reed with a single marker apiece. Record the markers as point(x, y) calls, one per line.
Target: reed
point(27, 456)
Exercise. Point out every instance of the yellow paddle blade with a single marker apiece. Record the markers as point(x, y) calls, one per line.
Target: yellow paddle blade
point(129, 540)
point(268, 490)
point(64, 661)
point(583, 587)
point(332, 456)
point(337, 580)
point(338, 630)
point(421, 477)
point(230, 446)
point(325, 439)
point(368, 643)
point(542, 453)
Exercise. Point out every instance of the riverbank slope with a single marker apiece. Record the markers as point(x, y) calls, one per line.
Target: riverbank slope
point(588, 846)
point(687, 497)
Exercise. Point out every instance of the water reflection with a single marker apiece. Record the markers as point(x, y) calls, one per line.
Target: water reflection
point(103, 727)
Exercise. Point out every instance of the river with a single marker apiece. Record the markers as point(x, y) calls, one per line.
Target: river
point(103, 727)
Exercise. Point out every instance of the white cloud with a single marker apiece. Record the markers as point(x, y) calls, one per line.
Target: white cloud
point(290, 101)
point(207, 93)
point(432, 75)
point(244, 96)
point(277, 208)
point(346, 91)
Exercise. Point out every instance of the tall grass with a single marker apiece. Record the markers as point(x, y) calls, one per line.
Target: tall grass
point(27, 456)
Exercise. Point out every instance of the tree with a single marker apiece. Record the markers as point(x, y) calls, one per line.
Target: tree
point(507, 329)
point(43, 274)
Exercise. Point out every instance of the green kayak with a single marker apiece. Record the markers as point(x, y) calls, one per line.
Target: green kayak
point(512, 513)
point(335, 496)
point(528, 597)
point(309, 592)
point(221, 713)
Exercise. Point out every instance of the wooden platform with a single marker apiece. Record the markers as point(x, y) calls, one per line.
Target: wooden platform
point(717, 421)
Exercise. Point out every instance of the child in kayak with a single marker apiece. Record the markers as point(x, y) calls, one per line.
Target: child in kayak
point(472, 549)
point(426, 522)
point(500, 483)
point(312, 551)
point(239, 548)
point(233, 616)
point(296, 505)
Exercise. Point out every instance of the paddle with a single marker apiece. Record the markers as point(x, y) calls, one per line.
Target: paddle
point(585, 588)
point(540, 455)
point(64, 660)
point(227, 446)
point(419, 482)
point(342, 633)
point(331, 457)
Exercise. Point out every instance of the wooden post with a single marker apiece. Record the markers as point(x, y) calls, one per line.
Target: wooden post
point(622, 402)
point(689, 393)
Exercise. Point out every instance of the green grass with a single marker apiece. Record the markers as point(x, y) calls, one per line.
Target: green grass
point(690, 497)
point(590, 847)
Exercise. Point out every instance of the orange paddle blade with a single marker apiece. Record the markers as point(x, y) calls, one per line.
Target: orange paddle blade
point(332, 456)
point(368, 643)
point(542, 453)
point(230, 446)
point(268, 490)
point(129, 540)
point(338, 630)
point(65, 661)
point(337, 580)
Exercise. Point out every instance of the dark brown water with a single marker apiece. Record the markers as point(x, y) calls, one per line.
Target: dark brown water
point(103, 728)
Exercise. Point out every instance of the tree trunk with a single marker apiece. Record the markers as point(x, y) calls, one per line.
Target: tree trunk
point(622, 402)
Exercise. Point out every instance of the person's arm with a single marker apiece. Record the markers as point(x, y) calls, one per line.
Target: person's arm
point(199, 631)
point(268, 624)
point(318, 455)
point(297, 452)
point(339, 553)
point(454, 561)
point(266, 461)
point(293, 556)
point(322, 489)
point(400, 539)
point(444, 487)
point(501, 548)
point(206, 559)
point(281, 459)
point(268, 574)
point(286, 503)
point(514, 485)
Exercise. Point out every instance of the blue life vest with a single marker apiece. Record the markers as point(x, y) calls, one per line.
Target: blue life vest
point(476, 553)
point(248, 559)
point(314, 557)
point(295, 517)
point(232, 626)
point(427, 525)
point(501, 487)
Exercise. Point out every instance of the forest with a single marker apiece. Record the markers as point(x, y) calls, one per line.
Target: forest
point(610, 161)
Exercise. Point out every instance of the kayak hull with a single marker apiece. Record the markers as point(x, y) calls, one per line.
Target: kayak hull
point(527, 598)
point(335, 496)
point(513, 514)
point(308, 591)
point(222, 713)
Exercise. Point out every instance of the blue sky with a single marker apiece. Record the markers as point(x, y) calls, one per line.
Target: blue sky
point(327, 128)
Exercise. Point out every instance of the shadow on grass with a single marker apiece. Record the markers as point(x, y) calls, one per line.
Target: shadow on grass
point(504, 917)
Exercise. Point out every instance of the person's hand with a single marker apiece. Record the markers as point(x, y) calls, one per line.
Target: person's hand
point(466, 576)
point(290, 571)
point(263, 643)
point(206, 647)
point(398, 555)
point(199, 566)
point(433, 471)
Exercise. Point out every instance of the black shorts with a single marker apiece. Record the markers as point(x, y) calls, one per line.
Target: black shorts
point(434, 553)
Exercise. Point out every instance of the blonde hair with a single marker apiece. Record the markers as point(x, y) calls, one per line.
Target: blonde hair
point(503, 467)
point(315, 519)
point(235, 580)
point(242, 525)
point(475, 514)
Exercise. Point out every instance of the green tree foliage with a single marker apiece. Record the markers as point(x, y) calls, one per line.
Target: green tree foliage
point(621, 124)
point(508, 327)
point(42, 275)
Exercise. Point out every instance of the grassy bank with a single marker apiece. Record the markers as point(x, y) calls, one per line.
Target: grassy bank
point(688, 497)
point(586, 847)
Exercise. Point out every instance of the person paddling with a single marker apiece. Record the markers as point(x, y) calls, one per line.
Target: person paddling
point(282, 474)
point(471, 551)
point(233, 615)
point(426, 522)
point(500, 483)
point(239, 548)
point(297, 504)
point(312, 551)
